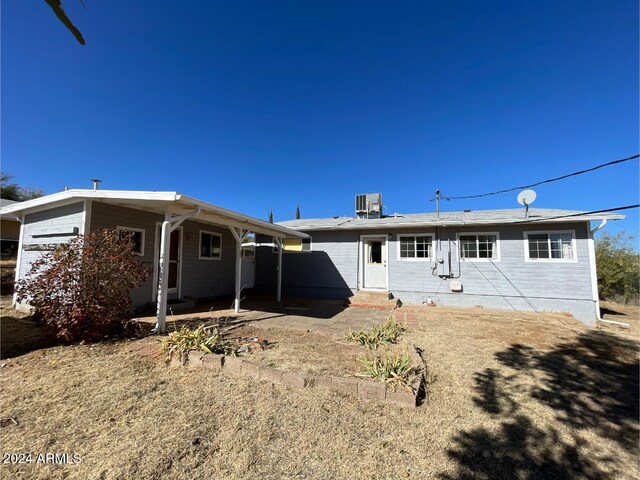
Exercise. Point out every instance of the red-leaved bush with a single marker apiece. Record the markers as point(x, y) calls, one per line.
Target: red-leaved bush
point(81, 289)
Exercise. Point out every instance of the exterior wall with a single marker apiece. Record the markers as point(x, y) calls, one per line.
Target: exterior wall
point(509, 283)
point(327, 271)
point(47, 227)
point(199, 278)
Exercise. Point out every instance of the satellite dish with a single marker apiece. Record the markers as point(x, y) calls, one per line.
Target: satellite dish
point(526, 198)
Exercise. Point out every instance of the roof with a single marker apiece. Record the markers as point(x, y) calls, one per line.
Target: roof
point(5, 203)
point(158, 202)
point(459, 219)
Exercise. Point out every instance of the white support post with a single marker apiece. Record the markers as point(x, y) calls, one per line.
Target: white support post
point(169, 225)
point(163, 277)
point(240, 236)
point(14, 303)
point(279, 243)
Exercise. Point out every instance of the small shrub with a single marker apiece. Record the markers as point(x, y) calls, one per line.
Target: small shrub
point(393, 369)
point(81, 289)
point(383, 334)
point(208, 340)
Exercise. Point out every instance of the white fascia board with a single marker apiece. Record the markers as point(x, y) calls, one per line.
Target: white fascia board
point(460, 223)
point(81, 194)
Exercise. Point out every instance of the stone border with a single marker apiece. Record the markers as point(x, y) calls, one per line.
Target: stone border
point(357, 387)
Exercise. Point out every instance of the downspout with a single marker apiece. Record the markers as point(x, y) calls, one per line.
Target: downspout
point(592, 253)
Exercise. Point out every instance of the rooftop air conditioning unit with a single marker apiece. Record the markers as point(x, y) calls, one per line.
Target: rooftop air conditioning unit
point(369, 204)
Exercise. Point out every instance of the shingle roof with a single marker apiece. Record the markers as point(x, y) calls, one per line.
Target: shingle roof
point(5, 203)
point(479, 217)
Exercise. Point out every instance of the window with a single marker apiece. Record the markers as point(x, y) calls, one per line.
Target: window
point(136, 235)
point(294, 245)
point(479, 246)
point(210, 246)
point(550, 246)
point(416, 247)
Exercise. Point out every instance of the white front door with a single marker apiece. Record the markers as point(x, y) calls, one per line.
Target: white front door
point(375, 262)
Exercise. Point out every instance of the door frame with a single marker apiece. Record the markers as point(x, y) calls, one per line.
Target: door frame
point(156, 261)
point(361, 260)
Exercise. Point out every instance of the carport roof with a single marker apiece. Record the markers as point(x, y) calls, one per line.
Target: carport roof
point(157, 202)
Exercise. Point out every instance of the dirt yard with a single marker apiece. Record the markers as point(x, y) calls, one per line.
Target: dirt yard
point(512, 396)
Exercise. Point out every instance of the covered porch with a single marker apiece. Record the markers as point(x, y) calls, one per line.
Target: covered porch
point(240, 226)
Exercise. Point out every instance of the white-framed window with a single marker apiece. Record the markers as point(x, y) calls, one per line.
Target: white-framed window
point(210, 246)
point(136, 235)
point(417, 246)
point(481, 246)
point(550, 246)
point(294, 245)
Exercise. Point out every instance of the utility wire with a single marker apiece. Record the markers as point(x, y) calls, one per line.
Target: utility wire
point(522, 187)
point(617, 209)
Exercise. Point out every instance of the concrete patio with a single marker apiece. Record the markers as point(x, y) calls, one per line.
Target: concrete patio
point(331, 317)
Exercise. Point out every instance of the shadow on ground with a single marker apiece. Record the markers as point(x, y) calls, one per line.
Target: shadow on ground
point(22, 335)
point(591, 385)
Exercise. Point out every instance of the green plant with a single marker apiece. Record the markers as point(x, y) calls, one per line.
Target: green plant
point(618, 266)
point(81, 288)
point(393, 369)
point(383, 334)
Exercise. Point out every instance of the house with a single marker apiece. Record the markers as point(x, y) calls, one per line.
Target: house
point(9, 231)
point(195, 247)
point(543, 260)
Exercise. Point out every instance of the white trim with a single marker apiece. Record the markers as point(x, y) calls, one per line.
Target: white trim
point(63, 203)
point(200, 257)
point(415, 259)
point(550, 260)
point(86, 217)
point(122, 228)
point(155, 201)
point(360, 262)
point(593, 270)
point(19, 257)
point(463, 259)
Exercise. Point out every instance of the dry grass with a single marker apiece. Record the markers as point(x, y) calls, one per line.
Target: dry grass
point(303, 351)
point(512, 396)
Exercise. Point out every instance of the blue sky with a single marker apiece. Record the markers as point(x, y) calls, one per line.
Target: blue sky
point(258, 105)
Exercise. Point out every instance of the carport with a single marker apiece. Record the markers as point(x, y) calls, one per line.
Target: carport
point(183, 208)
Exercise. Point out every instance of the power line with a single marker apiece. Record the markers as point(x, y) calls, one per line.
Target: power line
point(522, 187)
point(616, 209)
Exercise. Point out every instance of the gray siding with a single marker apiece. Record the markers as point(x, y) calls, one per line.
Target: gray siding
point(510, 283)
point(199, 278)
point(45, 227)
point(327, 271)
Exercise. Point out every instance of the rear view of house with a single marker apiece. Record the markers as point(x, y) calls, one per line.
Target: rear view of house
point(544, 261)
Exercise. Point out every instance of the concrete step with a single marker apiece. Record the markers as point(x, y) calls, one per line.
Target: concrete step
point(370, 299)
point(178, 305)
